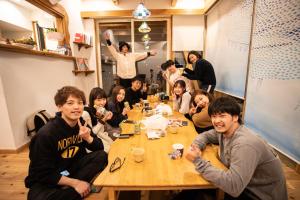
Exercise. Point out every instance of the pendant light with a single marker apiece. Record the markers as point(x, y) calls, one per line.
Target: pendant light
point(141, 12)
point(146, 38)
point(144, 28)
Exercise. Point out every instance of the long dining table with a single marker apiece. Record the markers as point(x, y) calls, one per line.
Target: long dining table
point(157, 171)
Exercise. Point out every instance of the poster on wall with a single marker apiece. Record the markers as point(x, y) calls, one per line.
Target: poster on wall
point(227, 44)
point(273, 97)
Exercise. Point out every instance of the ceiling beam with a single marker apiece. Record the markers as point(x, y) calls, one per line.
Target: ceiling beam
point(128, 13)
point(173, 3)
point(116, 2)
point(209, 4)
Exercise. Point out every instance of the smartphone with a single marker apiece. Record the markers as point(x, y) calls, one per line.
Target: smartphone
point(128, 121)
point(124, 136)
point(184, 123)
point(127, 135)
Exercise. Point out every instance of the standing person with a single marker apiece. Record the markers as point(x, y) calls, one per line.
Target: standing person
point(175, 75)
point(254, 169)
point(203, 72)
point(60, 168)
point(96, 115)
point(181, 97)
point(199, 111)
point(136, 92)
point(126, 68)
point(116, 106)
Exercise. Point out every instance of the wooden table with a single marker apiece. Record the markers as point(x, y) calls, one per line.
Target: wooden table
point(157, 171)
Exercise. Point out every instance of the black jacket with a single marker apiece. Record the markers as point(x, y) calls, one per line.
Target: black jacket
point(54, 149)
point(134, 97)
point(203, 72)
point(116, 109)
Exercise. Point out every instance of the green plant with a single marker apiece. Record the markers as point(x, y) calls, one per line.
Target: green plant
point(28, 41)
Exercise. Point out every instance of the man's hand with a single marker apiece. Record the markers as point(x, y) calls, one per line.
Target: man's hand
point(164, 74)
point(192, 153)
point(82, 187)
point(85, 132)
point(106, 36)
point(144, 88)
point(153, 52)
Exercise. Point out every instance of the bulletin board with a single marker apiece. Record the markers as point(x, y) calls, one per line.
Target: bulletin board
point(227, 44)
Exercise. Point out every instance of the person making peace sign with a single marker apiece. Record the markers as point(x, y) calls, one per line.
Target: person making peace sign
point(60, 167)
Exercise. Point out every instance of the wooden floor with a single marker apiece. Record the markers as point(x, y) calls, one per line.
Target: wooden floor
point(14, 168)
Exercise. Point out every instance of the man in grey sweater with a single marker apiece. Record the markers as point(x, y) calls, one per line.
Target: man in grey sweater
point(254, 169)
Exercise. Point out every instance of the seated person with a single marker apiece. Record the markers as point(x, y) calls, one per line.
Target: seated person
point(116, 106)
point(60, 168)
point(254, 169)
point(175, 75)
point(199, 111)
point(96, 115)
point(181, 97)
point(136, 92)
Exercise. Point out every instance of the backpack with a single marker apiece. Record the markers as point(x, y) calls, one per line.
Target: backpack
point(36, 121)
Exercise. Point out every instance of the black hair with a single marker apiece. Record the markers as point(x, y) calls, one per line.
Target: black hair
point(63, 94)
point(96, 93)
point(122, 43)
point(137, 78)
point(196, 53)
point(167, 64)
point(203, 92)
point(225, 105)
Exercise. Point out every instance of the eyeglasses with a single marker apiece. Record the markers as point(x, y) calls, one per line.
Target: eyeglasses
point(117, 164)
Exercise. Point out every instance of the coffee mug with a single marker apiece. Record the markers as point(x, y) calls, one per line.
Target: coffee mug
point(178, 147)
point(138, 154)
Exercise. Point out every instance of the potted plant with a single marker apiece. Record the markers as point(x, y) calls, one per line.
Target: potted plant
point(25, 42)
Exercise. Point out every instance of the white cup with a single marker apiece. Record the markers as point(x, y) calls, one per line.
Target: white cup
point(138, 154)
point(178, 147)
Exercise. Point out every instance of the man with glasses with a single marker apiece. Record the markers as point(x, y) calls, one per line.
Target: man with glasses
point(60, 167)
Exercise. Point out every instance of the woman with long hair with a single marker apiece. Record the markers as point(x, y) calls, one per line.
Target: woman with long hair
point(199, 111)
point(203, 72)
point(181, 97)
point(116, 106)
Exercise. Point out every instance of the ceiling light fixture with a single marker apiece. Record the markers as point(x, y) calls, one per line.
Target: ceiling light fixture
point(144, 28)
point(146, 38)
point(141, 12)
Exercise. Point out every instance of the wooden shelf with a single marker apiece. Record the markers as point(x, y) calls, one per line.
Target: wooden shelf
point(18, 49)
point(82, 45)
point(83, 71)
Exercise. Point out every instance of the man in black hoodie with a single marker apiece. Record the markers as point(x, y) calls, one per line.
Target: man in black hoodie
point(136, 93)
point(60, 167)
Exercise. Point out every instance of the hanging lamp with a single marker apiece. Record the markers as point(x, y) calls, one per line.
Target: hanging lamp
point(146, 38)
point(144, 28)
point(141, 12)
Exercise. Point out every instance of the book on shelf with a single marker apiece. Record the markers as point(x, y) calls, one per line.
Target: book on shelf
point(83, 38)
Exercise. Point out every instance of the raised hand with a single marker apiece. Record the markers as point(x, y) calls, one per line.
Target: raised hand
point(153, 52)
point(107, 116)
point(106, 36)
point(85, 132)
point(192, 110)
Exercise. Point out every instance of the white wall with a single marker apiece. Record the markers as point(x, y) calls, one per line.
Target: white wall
point(29, 82)
point(187, 33)
point(7, 140)
point(11, 13)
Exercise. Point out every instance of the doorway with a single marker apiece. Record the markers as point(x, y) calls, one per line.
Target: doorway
point(128, 31)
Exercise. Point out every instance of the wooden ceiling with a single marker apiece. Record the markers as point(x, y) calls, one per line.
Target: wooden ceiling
point(154, 12)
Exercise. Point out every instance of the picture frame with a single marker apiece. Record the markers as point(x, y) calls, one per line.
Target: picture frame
point(82, 64)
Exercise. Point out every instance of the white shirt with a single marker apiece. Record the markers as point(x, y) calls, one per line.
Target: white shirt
point(126, 62)
point(177, 76)
point(182, 104)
